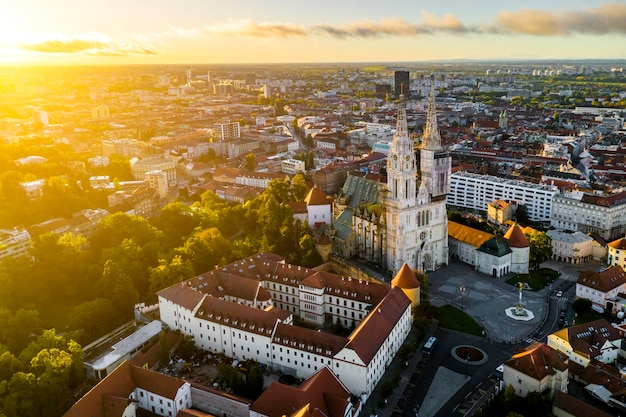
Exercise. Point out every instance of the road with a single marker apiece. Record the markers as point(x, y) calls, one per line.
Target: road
point(482, 376)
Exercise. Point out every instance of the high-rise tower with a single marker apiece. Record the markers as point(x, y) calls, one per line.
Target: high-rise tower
point(401, 83)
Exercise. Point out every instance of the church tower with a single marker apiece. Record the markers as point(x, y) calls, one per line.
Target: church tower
point(401, 164)
point(435, 161)
point(417, 222)
point(402, 190)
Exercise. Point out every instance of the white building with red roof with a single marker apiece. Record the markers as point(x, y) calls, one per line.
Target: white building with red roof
point(319, 207)
point(130, 387)
point(248, 326)
point(520, 249)
point(539, 368)
point(594, 340)
point(322, 394)
point(602, 288)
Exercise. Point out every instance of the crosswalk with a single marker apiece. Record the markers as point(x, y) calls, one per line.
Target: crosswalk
point(556, 297)
point(531, 340)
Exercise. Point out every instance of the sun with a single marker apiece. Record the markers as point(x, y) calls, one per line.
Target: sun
point(14, 31)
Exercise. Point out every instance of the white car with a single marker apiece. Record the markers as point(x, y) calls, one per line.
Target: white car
point(559, 294)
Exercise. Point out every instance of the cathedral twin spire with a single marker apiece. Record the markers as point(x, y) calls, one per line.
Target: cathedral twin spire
point(431, 138)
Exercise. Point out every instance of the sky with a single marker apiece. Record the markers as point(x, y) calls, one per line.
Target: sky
point(69, 32)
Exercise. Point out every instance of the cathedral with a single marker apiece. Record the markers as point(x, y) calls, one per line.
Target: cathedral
point(404, 220)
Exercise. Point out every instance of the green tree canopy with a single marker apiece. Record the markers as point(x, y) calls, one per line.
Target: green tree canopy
point(540, 248)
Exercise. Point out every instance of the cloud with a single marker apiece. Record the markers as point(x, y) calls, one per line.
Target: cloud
point(249, 28)
point(394, 27)
point(608, 18)
point(85, 45)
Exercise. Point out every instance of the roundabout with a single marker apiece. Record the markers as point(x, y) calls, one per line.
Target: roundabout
point(469, 355)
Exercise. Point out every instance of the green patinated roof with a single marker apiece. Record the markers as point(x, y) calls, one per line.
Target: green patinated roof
point(343, 224)
point(360, 191)
point(496, 246)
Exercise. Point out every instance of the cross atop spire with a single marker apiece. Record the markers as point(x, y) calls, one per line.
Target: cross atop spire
point(401, 123)
point(431, 138)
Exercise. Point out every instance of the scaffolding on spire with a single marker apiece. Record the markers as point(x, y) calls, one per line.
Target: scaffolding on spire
point(431, 138)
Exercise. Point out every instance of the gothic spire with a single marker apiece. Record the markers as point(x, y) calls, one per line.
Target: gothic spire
point(401, 125)
point(431, 138)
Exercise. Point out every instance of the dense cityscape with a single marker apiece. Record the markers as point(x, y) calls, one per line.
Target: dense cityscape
point(191, 240)
point(328, 209)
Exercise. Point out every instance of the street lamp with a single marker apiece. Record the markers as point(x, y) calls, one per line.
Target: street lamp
point(462, 289)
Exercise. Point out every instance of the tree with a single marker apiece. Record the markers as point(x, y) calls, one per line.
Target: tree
point(299, 188)
point(540, 248)
point(582, 306)
point(94, 318)
point(177, 220)
point(21, 328)
point(205, 249)
point(254, 381)
point(169, 273)
point(113, 229)
point(9, 364)
point(521, 214)
point(250, 162)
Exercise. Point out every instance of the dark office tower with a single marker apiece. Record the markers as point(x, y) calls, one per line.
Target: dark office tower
point(383, 91)
point(401, 83)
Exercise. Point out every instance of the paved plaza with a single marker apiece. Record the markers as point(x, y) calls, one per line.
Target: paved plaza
point(486, 299)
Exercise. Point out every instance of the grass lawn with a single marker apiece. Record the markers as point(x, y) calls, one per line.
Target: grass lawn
point(586, 318)
point(536, 279)
point(452, 318)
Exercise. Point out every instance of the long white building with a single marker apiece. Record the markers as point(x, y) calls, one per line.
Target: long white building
point(475, 191)
point(248, 325)
point(604, 215)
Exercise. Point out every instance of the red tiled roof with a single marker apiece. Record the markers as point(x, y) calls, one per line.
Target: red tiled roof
point(322, 391)
point(316, 197)
point(605, 201)
point(605, 281)
point(294, 336)
point(538, 360)
point(516, 237)
point(110, 394)
point(182, 294)
point(575, 407)
point(297, 206)
point(369, 336)
point(618, 244)
point(587, 339)
point(405, 278)
point(240, 316)
point(603, 374)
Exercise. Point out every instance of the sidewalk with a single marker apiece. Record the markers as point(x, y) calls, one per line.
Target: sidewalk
point(371, 407)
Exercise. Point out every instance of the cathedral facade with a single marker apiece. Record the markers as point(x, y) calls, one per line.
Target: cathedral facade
point(403, 220)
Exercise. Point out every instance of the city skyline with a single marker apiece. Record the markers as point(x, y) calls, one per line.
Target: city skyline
point(240, 31)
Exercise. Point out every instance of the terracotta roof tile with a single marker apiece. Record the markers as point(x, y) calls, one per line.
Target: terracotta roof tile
point(575, 407)
point(322, 391)
point(405, 278)
point(241, 316)
point(183, 295)
point(538, 360)
point(316, 197)
point(303, 338)
point(605, 281)
point(369, 336)
point(618, 244)
point(516, 237)
point(110, 394)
